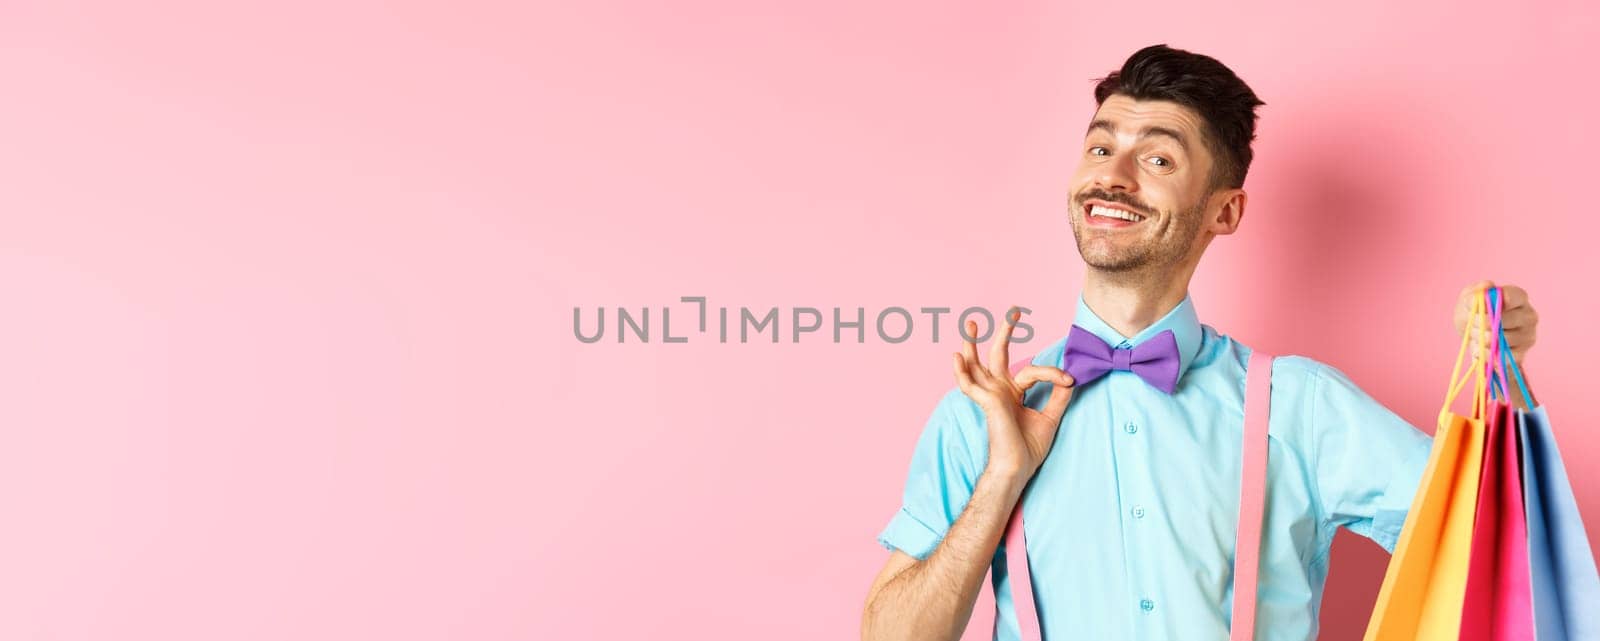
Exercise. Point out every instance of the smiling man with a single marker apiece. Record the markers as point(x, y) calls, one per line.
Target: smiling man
point(1132, 474)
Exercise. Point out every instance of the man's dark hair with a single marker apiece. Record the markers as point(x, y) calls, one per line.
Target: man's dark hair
point(1201, 83)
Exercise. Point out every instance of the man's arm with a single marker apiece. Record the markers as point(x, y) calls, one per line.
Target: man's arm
point(933, 598)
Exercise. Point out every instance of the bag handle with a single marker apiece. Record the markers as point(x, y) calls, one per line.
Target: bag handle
point(1476, 319)
point(1509, 363)
point(1499, 386)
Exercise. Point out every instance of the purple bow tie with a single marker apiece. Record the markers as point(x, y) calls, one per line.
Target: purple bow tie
point(1156, 361)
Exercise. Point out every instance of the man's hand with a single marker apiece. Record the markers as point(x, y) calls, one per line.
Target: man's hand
point(932, 599)
point(1019, 436)
point(1517, 317)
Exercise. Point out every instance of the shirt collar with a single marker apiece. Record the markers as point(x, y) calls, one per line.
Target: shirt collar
point(1183, 322)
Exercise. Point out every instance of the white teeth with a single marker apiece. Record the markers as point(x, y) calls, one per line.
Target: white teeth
point(1108, 212)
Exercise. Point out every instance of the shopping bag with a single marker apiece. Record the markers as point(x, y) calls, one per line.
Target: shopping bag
point(1425, 584)
point(1498, 603)
point(1565, 586)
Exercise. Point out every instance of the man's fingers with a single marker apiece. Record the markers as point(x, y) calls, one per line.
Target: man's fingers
point(1519, 339)
point(1475, 287)
point(1465, 301)
point(1000, 351)
point(1468, 294)
point(1056, 407)
point(1519, 316)
point(963, 377)
point(969, 350)
point(1513, 297)
point(1036, 373)
point(1060, 390)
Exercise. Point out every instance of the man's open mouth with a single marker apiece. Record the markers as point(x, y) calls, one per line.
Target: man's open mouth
point(1103, 214)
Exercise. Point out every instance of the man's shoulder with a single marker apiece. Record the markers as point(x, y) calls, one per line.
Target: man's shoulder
point(1300, 366)
point(1323, 388)
point(1285, 367)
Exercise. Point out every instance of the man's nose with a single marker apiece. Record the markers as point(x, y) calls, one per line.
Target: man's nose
point(1117, 173)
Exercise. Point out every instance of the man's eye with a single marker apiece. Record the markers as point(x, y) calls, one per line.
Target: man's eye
point(1098, 151)
point(1160, 162)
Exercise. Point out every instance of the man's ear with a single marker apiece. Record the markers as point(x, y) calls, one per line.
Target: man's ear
point(1230, 213)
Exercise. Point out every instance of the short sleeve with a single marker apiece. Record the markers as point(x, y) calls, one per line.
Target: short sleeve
point(1369, 461)
point(944, 471)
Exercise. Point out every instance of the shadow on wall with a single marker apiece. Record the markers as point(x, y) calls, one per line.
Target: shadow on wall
point(1341, 231)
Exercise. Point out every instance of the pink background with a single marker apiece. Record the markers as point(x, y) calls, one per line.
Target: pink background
point(287, 349)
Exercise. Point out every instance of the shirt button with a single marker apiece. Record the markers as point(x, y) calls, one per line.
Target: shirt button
point(1130, 428)
point(1147, 605)
point(1138, 512)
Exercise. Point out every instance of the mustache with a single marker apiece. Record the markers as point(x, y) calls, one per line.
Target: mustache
point(1114, 197)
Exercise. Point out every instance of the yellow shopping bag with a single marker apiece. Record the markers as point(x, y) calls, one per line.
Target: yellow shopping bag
point(1426, 582)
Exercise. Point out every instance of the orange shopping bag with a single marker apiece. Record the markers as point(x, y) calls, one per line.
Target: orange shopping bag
point(1426, 582)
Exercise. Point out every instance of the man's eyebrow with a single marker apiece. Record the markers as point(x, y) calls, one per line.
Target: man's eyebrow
point(1168, 132)
point(1154, 130)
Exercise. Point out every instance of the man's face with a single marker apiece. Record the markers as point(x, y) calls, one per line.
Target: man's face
point(1147, 159)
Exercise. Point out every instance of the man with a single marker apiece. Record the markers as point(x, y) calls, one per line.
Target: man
point(1131, 518)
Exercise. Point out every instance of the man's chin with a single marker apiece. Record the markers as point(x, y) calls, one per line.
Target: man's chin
point(1115, 267)
point(1111, 261)
point(1101, 254)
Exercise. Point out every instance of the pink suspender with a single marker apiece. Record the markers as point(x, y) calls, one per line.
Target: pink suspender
point(1252, 501)
point(1021, 582)
point(1252, 495)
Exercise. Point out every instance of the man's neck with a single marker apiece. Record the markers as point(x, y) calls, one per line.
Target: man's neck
point(1130, 307)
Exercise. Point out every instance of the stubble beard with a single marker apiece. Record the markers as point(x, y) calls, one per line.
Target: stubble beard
point(1142, 260)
